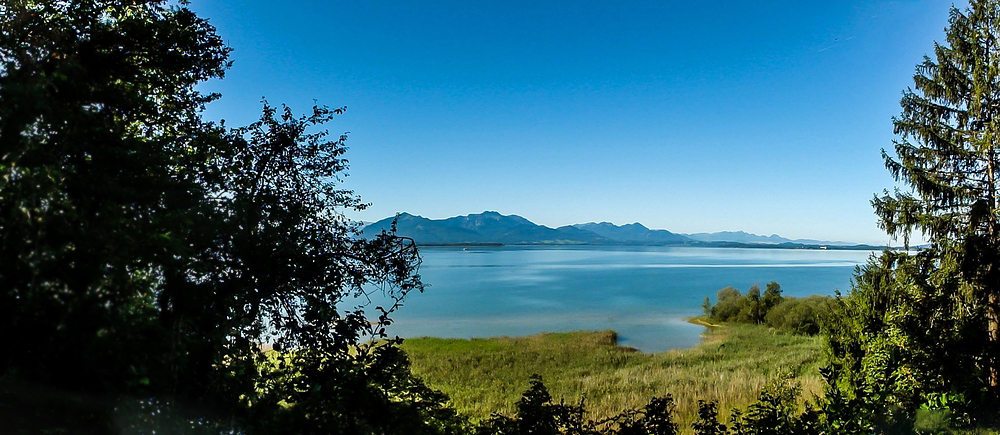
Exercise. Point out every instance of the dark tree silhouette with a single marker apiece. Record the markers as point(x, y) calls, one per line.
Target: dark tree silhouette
point(146, 255)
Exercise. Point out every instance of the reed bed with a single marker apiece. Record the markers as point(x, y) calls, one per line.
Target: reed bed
point(731, 365)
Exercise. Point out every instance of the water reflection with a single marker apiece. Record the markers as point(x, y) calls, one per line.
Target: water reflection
point(644, 293)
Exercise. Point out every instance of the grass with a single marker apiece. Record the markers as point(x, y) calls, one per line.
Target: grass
point(731, 365)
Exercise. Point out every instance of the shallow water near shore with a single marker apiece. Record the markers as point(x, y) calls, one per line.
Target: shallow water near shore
point(643, 293)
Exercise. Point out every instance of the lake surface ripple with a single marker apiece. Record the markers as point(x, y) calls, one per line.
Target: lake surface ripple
point(644, 293)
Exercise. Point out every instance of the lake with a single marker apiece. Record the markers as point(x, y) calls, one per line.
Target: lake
point(644, 293)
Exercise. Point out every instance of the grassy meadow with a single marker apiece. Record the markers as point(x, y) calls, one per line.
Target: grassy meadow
point(731, 365)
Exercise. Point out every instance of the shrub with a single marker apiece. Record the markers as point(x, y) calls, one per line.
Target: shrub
point(799, 315)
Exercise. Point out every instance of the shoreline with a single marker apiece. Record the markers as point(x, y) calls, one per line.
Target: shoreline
point(700, 320)
point(613, 335)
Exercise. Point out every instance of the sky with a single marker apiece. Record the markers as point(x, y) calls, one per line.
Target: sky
point(765, 116)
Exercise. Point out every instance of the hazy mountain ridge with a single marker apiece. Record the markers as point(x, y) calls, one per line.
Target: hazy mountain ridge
point(491, 227)
point(486, 227)
point(744, 237)
point(635, 232)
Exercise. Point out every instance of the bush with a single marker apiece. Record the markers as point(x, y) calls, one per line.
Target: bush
point(799, 315)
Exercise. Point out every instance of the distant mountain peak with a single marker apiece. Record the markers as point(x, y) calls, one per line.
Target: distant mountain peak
point(633, 233)
point(609, 224)
point(485, 227)
point(493, 227)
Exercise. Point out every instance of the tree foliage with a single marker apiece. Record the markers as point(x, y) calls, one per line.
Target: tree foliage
point(902, 336)
point(800, 315)
point(947, 154)
point(920, 325)
point(772, 295)
point(146, 255)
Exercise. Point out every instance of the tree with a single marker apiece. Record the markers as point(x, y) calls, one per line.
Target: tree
point(772, 296)
point(289, 261)
point(947, 154)
point(103, 177)
point(752, 312)
point(928, 323)
point(728, 302)
point(901, 337)
point(146, 255)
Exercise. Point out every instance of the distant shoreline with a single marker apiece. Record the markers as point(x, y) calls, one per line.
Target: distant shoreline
point(491, 228)
point(681, 245)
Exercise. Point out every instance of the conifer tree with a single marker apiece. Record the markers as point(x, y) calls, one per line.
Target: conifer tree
point(947, 155)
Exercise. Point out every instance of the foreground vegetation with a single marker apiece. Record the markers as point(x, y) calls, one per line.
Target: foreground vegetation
point(731, 366)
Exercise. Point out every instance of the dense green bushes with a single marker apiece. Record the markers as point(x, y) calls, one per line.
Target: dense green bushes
point(801, 315)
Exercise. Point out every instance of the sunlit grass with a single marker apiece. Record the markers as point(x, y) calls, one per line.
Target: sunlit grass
point(731, 365)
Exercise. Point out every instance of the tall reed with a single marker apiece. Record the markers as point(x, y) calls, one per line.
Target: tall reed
point(731, 365)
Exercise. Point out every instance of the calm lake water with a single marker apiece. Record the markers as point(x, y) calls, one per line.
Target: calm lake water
point(644, 293)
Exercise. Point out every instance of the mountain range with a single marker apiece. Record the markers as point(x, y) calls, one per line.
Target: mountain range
point(634, 233)
point(742, 237)
point(487, 227)
point(491, 227)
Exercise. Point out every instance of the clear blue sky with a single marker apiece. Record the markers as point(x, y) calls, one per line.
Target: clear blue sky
point(706, 116)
